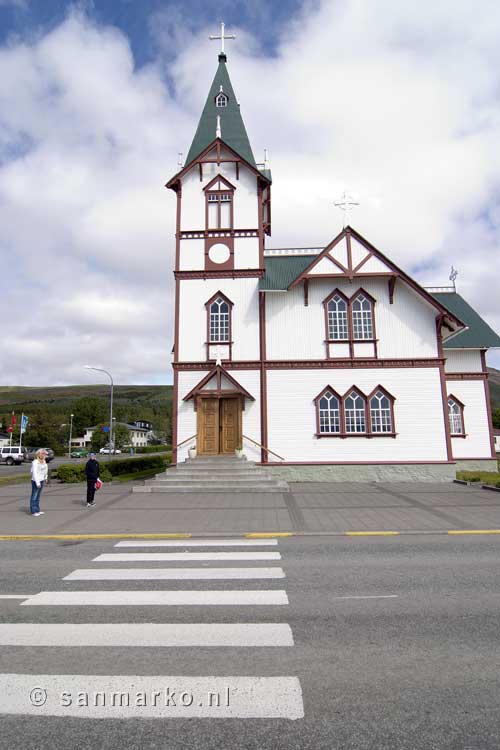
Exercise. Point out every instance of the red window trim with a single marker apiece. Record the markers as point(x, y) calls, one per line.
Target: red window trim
point(461, 407)
point(341, 410)
point(368, 432)
point(350, 340)
point(208, 191)
point(391, 405)
point(228, 343)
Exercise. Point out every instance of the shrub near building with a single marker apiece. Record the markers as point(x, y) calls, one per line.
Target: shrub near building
point(70, 473)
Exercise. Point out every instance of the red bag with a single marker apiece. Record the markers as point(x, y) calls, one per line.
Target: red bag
point(98, 483)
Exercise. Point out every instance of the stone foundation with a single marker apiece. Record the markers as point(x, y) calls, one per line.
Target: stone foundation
point(477, 464)
point(365, 472)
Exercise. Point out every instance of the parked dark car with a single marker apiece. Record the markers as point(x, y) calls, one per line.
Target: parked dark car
point(31, 453)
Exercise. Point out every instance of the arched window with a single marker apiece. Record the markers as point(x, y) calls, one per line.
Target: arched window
point(221, 100)
point(219, 321)
point(362, 317)
point(219, 204)
point(381, 419)
point(355, 413)
point(337, 318)
point(328, 405)
point(219, 211)
point(456, 416)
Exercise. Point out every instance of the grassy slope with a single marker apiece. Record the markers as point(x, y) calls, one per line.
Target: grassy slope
point(150, 402)
point(494, 381)
point(16, 396)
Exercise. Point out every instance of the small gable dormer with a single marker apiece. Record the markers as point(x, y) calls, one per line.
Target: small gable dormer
point(222, 99)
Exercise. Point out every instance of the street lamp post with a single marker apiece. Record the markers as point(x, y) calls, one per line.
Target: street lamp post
point(100, 369)
point(70, 434)
point(114, 433)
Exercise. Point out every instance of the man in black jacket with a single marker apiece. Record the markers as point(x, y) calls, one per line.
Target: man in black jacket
point(92, 474)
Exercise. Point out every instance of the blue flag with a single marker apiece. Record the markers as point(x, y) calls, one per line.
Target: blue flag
point(24, 423)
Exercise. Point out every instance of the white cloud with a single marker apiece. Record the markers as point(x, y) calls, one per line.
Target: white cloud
point(396, 101)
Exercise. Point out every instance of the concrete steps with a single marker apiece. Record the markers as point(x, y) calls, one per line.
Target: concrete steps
point(214, 474)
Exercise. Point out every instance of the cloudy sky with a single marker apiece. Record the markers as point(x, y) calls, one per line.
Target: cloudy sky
point(397, 101)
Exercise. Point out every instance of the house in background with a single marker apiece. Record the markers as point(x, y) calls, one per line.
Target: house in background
point(496, 435)
point(4, 439)
point(139, 436)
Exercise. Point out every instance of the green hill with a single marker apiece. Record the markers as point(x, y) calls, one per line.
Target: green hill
point(54, 404)
point(494, 381)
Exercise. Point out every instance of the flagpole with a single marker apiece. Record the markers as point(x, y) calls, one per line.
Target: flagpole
point(21, 429)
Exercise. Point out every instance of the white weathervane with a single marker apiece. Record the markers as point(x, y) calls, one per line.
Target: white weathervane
point(346, 203)
point(453, 276)
point(222, 37)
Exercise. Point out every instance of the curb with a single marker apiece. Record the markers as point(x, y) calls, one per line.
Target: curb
point(248, 535)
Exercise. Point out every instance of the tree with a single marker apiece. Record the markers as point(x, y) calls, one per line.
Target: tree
point(44, 431)
point(121, 436)
point(89, 411)
point(495, 417)
point(99, 438)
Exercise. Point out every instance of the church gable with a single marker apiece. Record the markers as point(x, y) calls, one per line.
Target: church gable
point(218, 382)
point(348, 255)
point(326, 267)
point(338, 253)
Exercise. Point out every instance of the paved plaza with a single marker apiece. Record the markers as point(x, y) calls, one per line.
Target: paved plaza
point(307, 508)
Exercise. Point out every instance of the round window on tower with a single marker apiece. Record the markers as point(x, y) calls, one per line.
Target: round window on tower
point(219, 253)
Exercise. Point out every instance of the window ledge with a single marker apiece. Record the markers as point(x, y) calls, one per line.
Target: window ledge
point(359, 435)
point(350, 341)
point(458, 435)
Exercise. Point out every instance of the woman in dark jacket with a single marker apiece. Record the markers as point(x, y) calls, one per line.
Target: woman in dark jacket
point(92, 474)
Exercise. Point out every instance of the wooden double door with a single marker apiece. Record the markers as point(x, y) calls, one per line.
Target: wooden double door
point(219, 425)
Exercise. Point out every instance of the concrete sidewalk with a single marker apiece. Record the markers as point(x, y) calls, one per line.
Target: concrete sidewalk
point(307, 508)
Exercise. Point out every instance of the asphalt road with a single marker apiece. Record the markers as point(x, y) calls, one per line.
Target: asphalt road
point(396, 644)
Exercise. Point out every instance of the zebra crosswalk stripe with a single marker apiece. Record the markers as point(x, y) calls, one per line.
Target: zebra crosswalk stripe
point(198, 543)
point(184, 556)
point(146, 635)
point(199, 598)
point(172, 574)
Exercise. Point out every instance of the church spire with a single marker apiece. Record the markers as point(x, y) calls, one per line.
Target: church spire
point(221, 102)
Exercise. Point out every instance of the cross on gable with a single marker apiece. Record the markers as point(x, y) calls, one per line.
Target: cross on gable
point(346, 203)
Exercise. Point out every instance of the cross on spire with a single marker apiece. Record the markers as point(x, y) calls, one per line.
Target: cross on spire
point(346, 203)
point(222, 36)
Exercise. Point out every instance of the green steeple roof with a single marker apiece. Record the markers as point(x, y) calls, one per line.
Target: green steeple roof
point(232, 128)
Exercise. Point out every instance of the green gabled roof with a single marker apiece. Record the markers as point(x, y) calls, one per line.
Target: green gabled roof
point(478, 336)
point(232, 127)
point(281, 271)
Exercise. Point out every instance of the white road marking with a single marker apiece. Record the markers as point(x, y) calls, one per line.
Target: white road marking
point(386, 596)
point(171, 574)
point(146, 635)
point(199, 543)
point(151, 697)
point(15, 596)
point(178, 556)
point(160, 598)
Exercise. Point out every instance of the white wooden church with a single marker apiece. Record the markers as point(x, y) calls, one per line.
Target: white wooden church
point(322, 363)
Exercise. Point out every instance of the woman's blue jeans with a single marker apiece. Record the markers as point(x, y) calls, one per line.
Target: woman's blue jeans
point(35, 496)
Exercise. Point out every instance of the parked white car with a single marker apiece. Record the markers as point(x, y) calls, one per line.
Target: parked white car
point(108, 450)
point(13, 455)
